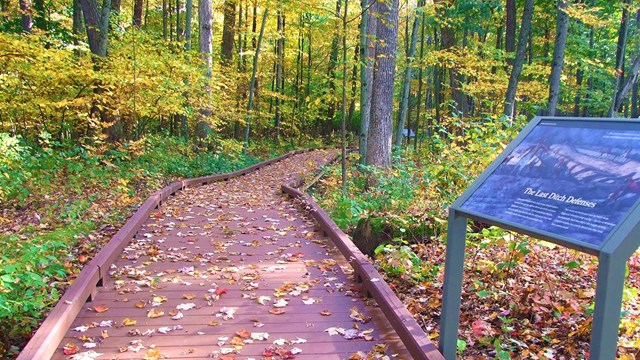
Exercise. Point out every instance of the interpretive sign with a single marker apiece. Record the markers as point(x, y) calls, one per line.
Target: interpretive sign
point(572, 181)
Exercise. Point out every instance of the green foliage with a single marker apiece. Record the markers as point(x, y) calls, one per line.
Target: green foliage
point(399, 260)
point(30, 268)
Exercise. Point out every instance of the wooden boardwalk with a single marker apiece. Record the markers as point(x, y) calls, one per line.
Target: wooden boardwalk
point(233, 270)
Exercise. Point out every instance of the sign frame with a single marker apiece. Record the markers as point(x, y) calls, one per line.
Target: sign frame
point(620, 243)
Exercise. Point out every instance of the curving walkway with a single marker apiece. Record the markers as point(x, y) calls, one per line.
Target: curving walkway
point(232, 270)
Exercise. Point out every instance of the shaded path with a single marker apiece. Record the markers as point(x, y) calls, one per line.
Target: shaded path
point(232, 270)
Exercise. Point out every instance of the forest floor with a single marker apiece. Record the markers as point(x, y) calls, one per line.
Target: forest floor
point(521, 298)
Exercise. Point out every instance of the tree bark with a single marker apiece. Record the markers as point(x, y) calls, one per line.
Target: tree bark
point(26, 15)
point(331, 75)
point(137, 13)
point(204, 26)
point(557, 63)
point(381, 125)
point(367, 54)
point(510, 36)
point(420, 82)
point(165, 19)
point(228, 31)
point(343, 130)
point(188, 20)
point(253, 83)
point(621, 46)
point(97, 25)
point(408, 74)
point(278, 79)
point(518, 61)
point(628, 83)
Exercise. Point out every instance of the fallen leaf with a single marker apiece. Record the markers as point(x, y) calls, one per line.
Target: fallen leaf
point(100, 308)
point(189, 296)
point(276, 311)
point(325, 313)
point(129, 322)
point(70, 349)
point(155, 313)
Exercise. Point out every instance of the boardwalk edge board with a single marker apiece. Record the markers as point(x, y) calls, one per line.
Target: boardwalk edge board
point(45, 341)
point(412, 336)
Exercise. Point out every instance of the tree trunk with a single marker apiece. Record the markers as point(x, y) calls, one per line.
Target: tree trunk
point(420, 82)
point(557, 63)
point(77, 18)
point(165, 19)
point(343, 130)
point(628, 83)
point(97, 24)
point(137, 13)
point(408, 74)
point(278, 79)
point(178, 23)
point(241, 30)
point(188, 20)
point(253, 83)
point(331, 75)
point(518, 61)
point(381, 125)
point(448, 40)
point(204, 26)
point(26, 15)
point(510, 37)
point(367, 54)
point(621, 46)
point(228, 31)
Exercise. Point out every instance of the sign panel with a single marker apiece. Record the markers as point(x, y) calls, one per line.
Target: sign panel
point(573, 178)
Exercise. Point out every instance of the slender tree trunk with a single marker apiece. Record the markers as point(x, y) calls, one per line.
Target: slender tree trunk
point(137, 13)
point(354, 89)
point(518, 62)
point(331, 75)
point(510, 37)
point(420, 82)
point(448, 40)
point(26, 15)
point(253, 83)
point(188, 19)
point(205, 33)
point(621, 47)
point(343, 130)
point(578, 97)
point(367, 54)
point(557, 63)
point(628, 83)
point(241, 31)
point(228, 31)
point(278, 79)
point(381, 125)
point(165, 19)
point(77, 18)
point(178, 22)
point(408, 75)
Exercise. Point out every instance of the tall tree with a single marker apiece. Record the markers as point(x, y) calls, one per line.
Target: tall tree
point(228, 31)
point(367, 53)
point(188, 19)
point(518, 62)
point(137, 13)
point(96, 20)
point(557, 62)
point(25, 13)
point(278, 77)
point(510, 36)
point(408, 75)
point(621, 47)
point(204, 26)
point(343, 130)
point(381, 125)
point(252, 86)
point(331, 74)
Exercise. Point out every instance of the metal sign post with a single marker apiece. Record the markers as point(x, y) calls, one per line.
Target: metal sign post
point(574, 182)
